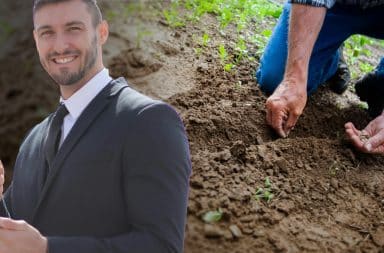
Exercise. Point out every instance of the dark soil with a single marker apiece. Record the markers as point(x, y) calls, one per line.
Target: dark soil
point(327, 196)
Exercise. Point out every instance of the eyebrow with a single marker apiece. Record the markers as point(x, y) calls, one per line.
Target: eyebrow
point(75, 23)
point(44, 27)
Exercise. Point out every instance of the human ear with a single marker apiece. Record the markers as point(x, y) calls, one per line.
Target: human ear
point(103, 30)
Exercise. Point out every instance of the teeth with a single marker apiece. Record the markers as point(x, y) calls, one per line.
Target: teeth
point(64, 60)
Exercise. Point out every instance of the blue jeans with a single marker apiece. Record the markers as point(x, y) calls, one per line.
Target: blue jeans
point(340, 22)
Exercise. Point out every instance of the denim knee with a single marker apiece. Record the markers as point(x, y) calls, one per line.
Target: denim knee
point(268, 79)
point(380, 68)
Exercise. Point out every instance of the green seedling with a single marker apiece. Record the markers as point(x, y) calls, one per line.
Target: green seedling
point(266, 192)
point(267, 33)
point(356, 47)
point(363, 105)
point(223, 53)
point(198, 51)
point(267, 183)
point(241, 49)
point(213, 216)
point(172, 15)
point(333, 169)
point(260, 41)
point(228, 67)
point(226, 17)
point(242, 21)
point(365, 67)
point(205, 40)
point(243, 15)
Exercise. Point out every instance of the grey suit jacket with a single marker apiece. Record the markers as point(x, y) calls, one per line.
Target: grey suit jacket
point(119, 182)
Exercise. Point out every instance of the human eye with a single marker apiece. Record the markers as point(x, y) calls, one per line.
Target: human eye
point(74, 29)
point(46, 33)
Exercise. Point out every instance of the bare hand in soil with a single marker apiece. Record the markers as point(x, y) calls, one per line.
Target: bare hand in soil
point(370, 139)
point(285, 106)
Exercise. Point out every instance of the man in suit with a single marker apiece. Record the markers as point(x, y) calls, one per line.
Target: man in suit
point(303, 53)
point(109, 170)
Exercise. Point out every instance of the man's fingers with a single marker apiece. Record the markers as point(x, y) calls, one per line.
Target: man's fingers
point(278, 120)
point(350, 126)
point(351, 131)
point(354, 136)
point(275, 116)
point(10, 224)
point(291, 122)
point(375, 141)
point(356, 141)
point(363, 141)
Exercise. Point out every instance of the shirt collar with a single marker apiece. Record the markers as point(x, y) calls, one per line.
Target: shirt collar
point(81, 98)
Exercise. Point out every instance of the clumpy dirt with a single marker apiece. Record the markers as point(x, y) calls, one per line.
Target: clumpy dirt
point(327, 197)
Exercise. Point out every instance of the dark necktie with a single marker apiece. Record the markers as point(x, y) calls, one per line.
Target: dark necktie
point(54, 134)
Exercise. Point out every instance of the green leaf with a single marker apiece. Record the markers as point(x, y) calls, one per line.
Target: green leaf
point(213, 216)
point(228, 67)
point(267, 33)
point(268, 196)
point(268, 183)
point(259, 191)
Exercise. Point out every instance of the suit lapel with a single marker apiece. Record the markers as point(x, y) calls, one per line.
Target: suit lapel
point(85, 120)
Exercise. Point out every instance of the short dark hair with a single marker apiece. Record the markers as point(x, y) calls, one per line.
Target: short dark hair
point(91, 4)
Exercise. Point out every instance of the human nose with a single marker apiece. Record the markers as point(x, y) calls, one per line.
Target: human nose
point(61, 43)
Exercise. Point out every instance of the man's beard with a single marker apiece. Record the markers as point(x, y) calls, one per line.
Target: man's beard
point(67, 78)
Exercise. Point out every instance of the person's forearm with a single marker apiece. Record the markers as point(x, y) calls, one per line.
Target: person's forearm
point(304, 27)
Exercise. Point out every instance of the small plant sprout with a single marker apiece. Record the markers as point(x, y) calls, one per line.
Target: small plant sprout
point(363, 105)
point(228, 67)
point(267, 183)
point(213, 216)
point(266, 192)
point(334, 169)
point(198, 51)
point(241, 49)
point(205, 40)
point(240, 15)
point(223, 53)
point(172, 15)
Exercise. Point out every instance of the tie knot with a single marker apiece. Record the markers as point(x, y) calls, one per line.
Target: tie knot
point(61, 111)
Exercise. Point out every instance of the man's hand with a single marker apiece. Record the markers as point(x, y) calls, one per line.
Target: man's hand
point(285, 106)
point(287, 103)
point(20, 237)
point(371, 138)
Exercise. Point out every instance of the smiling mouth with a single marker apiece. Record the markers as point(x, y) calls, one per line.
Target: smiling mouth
point(64, 60)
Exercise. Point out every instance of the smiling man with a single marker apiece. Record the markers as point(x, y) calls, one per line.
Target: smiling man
point(109, 170)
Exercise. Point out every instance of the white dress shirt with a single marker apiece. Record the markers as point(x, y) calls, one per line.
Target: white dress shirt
point(81, 98)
